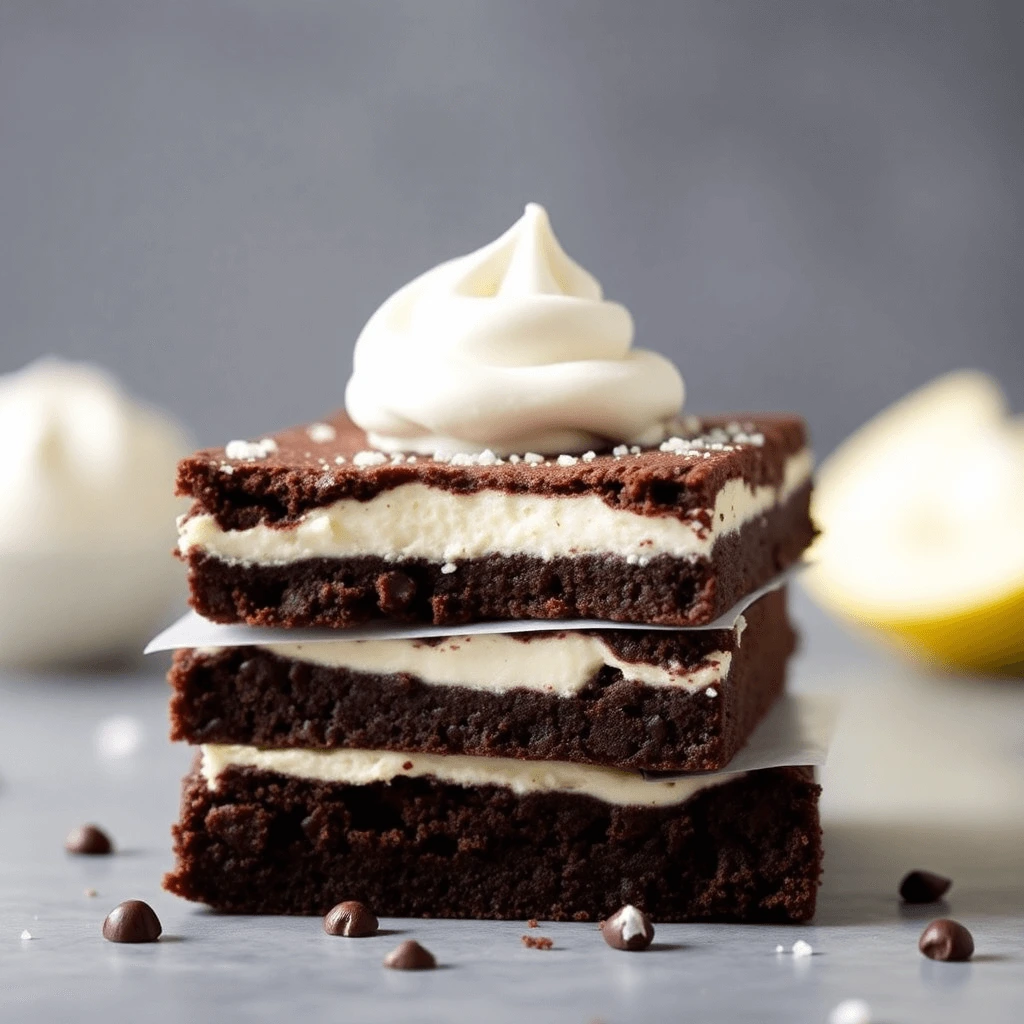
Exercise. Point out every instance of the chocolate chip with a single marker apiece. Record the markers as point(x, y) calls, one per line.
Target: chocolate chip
point(628, 928)
point(88, 839)
point(946, 940)
point(923, 887)
point(410, 956)
point(351, 918)
point(395, 591)
point(132, 921)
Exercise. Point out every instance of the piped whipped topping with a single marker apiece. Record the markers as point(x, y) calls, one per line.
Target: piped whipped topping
point(512, 348)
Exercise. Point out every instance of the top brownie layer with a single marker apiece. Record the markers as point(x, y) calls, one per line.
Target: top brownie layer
point(311, 528)
point(313, 466)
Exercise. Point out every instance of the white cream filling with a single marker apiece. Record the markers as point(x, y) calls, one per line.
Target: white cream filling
point(417, 521)
point(364, 767)
point(562, 664)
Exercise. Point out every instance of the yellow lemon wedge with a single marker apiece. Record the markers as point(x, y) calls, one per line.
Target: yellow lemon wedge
point(922, 520)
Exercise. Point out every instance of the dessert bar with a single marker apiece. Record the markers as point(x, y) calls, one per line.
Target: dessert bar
point(657, 700)
point(504, 453)
point(311, 527)
point(295, 831)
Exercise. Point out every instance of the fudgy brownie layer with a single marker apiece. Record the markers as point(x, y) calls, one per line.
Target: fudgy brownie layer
point(302, 474)
point(344, 592)
point(248, 695)
point(262, 843)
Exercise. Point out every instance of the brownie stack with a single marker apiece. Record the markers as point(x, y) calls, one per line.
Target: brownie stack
point(498, 774)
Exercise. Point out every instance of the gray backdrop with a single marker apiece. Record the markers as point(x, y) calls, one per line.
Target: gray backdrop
point(808, 205)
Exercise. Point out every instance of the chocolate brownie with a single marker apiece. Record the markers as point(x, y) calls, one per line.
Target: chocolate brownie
point(748, 849)
point(297, 531)
point(716, 687)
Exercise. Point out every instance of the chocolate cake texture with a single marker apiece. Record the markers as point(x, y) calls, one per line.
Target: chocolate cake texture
point(292, 475)
point(273, 535)
point(748, 849)
point(250, 695)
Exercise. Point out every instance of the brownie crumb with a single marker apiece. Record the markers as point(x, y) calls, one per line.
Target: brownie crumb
point(537, 942)
point(532, 923)
point(395, 592)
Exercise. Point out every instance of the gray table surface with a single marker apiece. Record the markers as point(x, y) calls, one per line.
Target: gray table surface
point(925, 771)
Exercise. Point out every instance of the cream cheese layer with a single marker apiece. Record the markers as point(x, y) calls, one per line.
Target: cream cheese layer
point(417, 521)
point(560, 664)
point(365, 767)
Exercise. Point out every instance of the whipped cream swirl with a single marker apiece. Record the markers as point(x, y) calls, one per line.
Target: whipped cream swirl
point(512, 348)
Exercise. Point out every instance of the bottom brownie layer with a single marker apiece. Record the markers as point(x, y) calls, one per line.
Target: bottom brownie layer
point(261, 843)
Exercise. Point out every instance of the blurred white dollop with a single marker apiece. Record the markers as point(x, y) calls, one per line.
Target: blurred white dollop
point(118, 736)
point(850, 1011)
point(87, 513)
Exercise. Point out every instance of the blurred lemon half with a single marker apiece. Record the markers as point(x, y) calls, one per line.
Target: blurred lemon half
point(922, 519)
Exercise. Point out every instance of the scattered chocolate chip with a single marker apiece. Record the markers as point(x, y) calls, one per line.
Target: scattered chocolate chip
point(132, 921)
point(923, 887)
point(407, 766)
point(352, 919)
point(946, 940)
point(410, 956)
point(537, 942)
point(88, 839)
point(628, 928)
point(532, 923)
